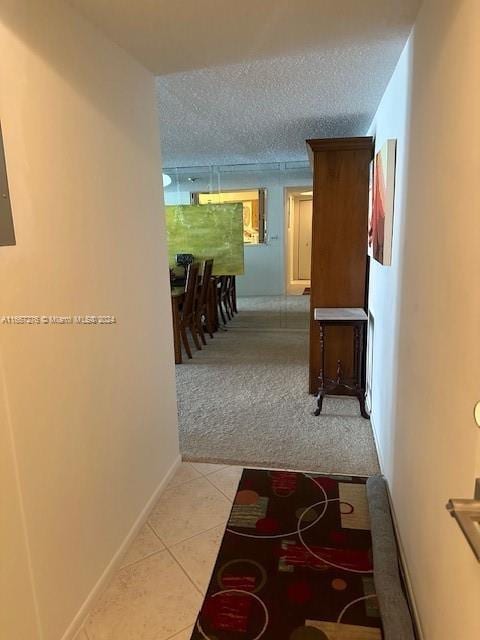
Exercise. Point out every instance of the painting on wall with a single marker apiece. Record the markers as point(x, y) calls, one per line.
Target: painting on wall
point(370, 207)
point(207, 231)
point(7, 231)
point(380, 224)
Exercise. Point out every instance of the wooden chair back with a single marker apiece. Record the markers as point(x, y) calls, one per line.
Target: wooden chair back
point(191, 286)
point(206, 278)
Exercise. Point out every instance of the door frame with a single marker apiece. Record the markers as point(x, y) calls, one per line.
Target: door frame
point(304, 192)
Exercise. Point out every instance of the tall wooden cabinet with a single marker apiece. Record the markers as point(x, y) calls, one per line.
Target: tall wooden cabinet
point(339, 242)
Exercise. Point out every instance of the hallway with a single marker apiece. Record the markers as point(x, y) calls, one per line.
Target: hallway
point(243, 399)
point(118, 468)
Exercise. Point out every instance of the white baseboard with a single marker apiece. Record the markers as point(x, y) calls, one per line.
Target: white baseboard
point(114, 563)
point(406, 574)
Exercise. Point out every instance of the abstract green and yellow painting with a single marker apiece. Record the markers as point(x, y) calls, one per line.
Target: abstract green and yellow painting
point(207, 231)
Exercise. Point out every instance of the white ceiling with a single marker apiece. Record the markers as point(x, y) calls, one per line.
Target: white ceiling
point(249, 81)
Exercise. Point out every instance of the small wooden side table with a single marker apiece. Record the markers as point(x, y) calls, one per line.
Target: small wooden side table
point(341, 317)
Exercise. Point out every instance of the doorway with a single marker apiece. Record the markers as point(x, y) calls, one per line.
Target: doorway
point(298, 240)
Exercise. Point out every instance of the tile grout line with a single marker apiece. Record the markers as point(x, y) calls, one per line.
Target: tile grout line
point(168, 546)
point(181, 631)
point(185, 572)
point(149, 555)
point(208, 473)
point(182, 482)
point(150, 526)
point(230, 500)
point(201, 475)
point(221, 524)
point(156, 533)
point(222, 492)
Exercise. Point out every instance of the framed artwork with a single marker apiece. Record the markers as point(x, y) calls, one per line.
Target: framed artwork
point(207, 231)
point(370, 206)
point(7, 232)
point(380, 224)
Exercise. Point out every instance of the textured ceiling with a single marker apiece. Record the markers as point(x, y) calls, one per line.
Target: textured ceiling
point(263, 111)
point(249, 81)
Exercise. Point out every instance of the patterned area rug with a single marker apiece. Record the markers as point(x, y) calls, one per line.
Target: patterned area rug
point(295, 562)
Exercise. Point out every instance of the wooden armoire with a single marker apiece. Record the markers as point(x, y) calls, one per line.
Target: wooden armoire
point(341, 168)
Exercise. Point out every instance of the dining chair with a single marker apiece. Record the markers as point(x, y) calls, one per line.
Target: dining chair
point(213, 315)
point(187, 317)
point(233, 293)
point(202, 314)
point(222, 292)
point(230, 295)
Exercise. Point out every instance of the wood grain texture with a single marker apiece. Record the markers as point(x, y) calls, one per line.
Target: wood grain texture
point(339, 242)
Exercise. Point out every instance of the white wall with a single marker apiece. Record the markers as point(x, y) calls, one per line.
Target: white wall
point(87, 413)
point(264, 263)
point(426, 307)
point(391, 121)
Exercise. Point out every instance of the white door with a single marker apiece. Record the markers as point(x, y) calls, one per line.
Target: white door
point(304, 239)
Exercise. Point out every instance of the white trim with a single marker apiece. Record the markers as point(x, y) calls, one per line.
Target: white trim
point(403, 560)
point(114, 564)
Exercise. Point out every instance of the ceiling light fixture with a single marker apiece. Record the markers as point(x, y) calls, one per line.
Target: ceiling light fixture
point(166, 180)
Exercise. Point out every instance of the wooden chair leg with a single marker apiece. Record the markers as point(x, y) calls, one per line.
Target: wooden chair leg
point(222, 315)
point(200, 330)
point(195, 336)
point(205, 320)
point(185, 342)
point(230, 303)
point(229, 296)
point(209, 324)
point(213, 308)
point(234, 294)
point(225, 305)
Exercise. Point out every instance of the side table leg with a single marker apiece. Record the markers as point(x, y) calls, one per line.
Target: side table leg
point(318, 410)
point(357, 356)
point(321, 390)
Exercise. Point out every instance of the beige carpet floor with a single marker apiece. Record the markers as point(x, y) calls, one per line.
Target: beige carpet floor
point(243, 399)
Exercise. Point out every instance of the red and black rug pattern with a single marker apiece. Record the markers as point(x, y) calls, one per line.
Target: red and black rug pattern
point(295, 562)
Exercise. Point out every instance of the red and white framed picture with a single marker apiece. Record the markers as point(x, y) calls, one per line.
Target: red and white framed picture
point(381, 206)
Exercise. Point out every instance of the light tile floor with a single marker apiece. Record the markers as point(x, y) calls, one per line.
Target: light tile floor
point(158, 591)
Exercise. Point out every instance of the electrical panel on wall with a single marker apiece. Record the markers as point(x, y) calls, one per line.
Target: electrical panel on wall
point(7, 232)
